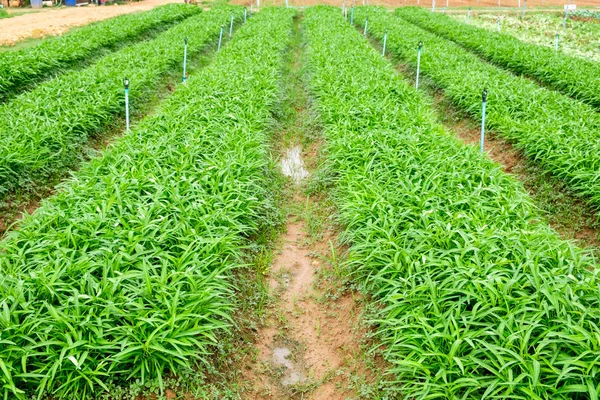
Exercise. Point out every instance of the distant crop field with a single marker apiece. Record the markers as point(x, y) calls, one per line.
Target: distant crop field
point(427, 3)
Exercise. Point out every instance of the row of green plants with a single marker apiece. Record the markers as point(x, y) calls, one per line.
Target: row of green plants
point(4, 13)
point(573, 76)
point(557, 132)
point(26, 66)
point(44, 130)
point(475, 297)
point(127, 273)
point(586, 14)
point(576, 38)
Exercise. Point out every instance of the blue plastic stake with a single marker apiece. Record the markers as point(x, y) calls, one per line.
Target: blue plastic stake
point(245, 14)
point(126, 84)
point(418, 64)
point(366, 26)
point(469, 14)
point(523, 12)
point(483, 104)
point(384, 42)
point(498, 24)
point(432, 5)
point(556, 42)
point(286, 3)
point(352, 16)
point(566, 16)
point(220, 38)
point(231, 26)
point(444, 10)
point(184, 60)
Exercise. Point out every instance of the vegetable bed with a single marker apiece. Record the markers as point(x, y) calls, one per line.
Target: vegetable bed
point(475, 297)
point(26, 66)
point(43, 131)
point(575, 77)
point(126, 273)
point(559, 133)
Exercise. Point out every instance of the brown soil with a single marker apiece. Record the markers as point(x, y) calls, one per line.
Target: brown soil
point(318, 330)
point(586, 19)
point(14, 210)
point(496, 148)
point(52, 21)
point(310, 344)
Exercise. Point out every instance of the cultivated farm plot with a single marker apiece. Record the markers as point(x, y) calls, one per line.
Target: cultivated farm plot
point(146, 274)
point(81, 325)
point(506, 5)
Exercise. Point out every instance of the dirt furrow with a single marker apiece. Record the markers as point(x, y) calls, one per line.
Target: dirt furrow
point(309, 347)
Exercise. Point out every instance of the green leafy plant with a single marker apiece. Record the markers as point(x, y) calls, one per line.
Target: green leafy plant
point(475, 297)
point(43, 130)
point(552, 129)
point(23, 67)
point(575, 77)
point(127, 271)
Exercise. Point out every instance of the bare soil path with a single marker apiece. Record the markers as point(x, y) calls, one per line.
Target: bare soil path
point(52, 21)
point(310, 345)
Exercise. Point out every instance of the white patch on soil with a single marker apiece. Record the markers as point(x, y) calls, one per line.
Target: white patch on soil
point(292, 164)
point(293, 376)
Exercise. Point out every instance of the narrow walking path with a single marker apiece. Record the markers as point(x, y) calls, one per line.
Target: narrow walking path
point(308, 343)
point(309, 346)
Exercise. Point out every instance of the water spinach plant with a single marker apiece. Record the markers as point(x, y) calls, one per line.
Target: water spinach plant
point(43, 131)
point(476, 298)
point(126, 274)
point(22, 68)
point(559, 133)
